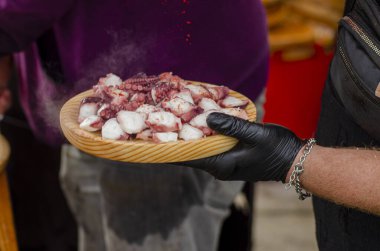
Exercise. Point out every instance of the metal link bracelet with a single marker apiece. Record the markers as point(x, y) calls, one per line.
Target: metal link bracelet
point(298, 170)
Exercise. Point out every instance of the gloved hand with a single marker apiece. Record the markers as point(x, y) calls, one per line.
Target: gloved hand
point(264, 152)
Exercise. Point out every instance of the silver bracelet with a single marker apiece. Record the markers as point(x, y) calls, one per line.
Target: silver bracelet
point(298, 170)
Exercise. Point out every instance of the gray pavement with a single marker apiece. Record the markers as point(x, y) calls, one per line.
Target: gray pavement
point(282, 222)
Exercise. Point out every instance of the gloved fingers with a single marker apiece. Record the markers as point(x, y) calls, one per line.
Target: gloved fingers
point(198, 163)
point(221, 166)
point(233, 126)
point(218, 166)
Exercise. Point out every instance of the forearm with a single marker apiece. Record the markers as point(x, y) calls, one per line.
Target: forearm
point(265, 152)
point(344, 176)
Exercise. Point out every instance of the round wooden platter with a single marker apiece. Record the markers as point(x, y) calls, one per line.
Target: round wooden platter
point(4, 153)
point(139, 151)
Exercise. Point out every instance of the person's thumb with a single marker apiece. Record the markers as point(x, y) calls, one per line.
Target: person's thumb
point(233, 126)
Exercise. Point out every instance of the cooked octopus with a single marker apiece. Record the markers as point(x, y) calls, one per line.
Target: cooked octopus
point(161, 108)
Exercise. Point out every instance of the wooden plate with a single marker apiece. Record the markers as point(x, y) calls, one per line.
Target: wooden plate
point(139, 151)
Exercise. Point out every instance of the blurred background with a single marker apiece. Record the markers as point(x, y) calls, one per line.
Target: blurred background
point(302, 39)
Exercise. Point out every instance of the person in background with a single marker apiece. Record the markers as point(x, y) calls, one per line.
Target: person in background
point(41, 215)
point(342, 170)
point(5, 95)
point(62, 48)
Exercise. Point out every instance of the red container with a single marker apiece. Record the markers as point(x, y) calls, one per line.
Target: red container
point(294, 92)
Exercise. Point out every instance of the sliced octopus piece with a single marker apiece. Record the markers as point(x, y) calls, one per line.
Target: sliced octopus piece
point(111, 80)
point(200, 122)
point(92, 123)
point(112, 130)
point(208, 104)
point(164, 137)
point(198, 92)
point(145, 135)
point(218, 92)
point(131, 122)
point(189, 132)
point(184, 94)
point(163, 122)
point(86, 110)
point(146, 108)
point(231, 101)
point(237, 112)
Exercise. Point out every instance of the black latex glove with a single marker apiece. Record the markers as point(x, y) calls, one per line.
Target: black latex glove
point(264, 152)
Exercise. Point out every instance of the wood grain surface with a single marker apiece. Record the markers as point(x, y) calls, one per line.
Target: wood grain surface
point(7, 231)
point(139, 151)
point(4, 153)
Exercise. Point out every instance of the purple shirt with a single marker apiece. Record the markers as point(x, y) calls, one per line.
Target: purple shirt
point(65, 46)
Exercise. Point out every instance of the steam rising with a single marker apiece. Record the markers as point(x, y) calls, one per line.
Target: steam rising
point(124, 58)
